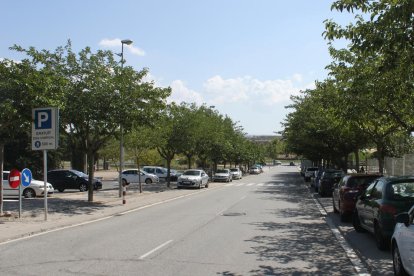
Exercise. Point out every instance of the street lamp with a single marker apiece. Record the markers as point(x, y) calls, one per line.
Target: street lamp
point(121, 142)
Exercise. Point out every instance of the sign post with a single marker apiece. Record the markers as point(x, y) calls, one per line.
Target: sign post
point(14, 182)
point(45, 136)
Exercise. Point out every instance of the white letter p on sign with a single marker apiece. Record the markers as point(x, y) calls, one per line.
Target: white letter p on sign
point(41, 118)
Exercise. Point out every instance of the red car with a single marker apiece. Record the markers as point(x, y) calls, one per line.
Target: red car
point(347, 190)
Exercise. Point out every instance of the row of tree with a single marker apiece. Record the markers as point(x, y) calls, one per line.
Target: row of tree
point(366, 102)
point(99, 100)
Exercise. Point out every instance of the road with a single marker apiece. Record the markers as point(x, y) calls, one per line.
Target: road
point(265, 224)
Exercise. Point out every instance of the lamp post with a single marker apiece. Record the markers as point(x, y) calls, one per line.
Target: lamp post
point(121, 142)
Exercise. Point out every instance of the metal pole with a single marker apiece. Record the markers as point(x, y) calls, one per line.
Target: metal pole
point(20, 198)
point(121, 142)
point(45, 180)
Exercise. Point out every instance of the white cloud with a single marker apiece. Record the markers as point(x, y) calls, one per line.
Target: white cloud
point(181, 93)
point(243, 89)
point(116, 43)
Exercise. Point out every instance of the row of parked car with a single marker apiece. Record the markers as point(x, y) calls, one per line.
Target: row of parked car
point(382, 206)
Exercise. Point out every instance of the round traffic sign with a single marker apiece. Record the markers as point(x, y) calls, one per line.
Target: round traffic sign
point(26, 177)
point(14, 178)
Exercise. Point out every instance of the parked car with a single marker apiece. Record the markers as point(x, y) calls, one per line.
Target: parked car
point(347, 190)
point(135, 176)
point(402, 244)
point(36, 188)
point(71, 179)
point(236, 173)
point(382, 200)
point(309, 172)
point(223, 175)
point(158, 171)
point(193, 178)
point(317, 178)
point(254, 170)
point(327, 181)
point(277, 162)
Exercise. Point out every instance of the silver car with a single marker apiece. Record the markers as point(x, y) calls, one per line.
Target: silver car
point(223, 175)
point(193, 178)
point(236, 173)
point(132, 176)
point(402, 244)
point(36, 188)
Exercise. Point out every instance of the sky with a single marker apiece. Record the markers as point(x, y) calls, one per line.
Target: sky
point(244, 58)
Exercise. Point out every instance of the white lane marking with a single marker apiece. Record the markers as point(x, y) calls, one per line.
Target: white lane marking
point(350, 253)
point(243, 197)
point(260, 184)
point(250, 184)
point(229, 184)
point(155, 249)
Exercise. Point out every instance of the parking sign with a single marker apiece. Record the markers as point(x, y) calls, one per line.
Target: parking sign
point(45, 129)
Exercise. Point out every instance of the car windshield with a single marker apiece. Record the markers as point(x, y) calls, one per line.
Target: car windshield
point(234, 170)
point(222, 171)
point(191, 173)
point(80, 174)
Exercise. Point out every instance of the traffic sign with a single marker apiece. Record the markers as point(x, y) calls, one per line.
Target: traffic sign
point(14, 178)
point(45, 128)
point(26, 177)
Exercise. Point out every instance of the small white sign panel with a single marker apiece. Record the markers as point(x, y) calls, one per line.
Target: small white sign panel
point(45, 128)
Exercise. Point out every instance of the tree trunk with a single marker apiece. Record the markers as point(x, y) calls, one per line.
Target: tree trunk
point(356, 153)
point(168, 171)
point(189, 156)
point(90, 173)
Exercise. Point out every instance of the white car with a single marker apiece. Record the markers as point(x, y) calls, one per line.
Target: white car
point(193, 178)
point(402, 244)
point(236, 173)
point(223, 175)
point(36, 188)
point(132, 176)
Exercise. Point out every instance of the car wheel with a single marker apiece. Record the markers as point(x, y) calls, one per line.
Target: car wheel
point(334, 207)
point(29, 193)
point(396, 262)
point(124, 182)
point(61, 190)
point(83, 187)
point(357, 223)
point(206, 184)
point(380, 240)
point(148, 181)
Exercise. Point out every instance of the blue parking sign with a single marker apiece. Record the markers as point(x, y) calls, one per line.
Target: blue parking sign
point(26, 177)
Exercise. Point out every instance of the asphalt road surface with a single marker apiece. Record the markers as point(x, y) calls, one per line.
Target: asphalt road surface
point(265, 224)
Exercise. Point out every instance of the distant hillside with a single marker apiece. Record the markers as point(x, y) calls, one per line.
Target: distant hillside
point(262, 138)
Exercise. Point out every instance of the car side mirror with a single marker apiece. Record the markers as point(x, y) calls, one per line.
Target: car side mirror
point(403, 218)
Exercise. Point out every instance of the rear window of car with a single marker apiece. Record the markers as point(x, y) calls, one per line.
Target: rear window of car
point(402, 191)
point(222, 171)
point(361, 181)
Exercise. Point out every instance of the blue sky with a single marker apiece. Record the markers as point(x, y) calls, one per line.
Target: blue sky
point(244, 57)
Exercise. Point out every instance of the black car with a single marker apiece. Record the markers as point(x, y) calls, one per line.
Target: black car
point(327, 181)
point(71, 179)
point(377, 207)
